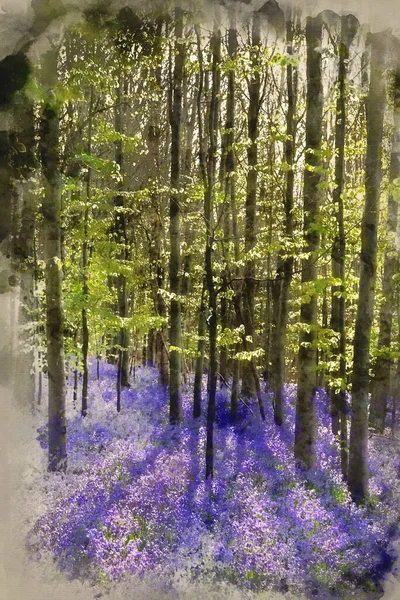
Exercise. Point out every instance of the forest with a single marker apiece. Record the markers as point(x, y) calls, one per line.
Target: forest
point(200, 220)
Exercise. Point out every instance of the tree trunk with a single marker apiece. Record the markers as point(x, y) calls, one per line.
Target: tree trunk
point(305, 430)
point(281, 285)
point(49, 152)
point(248, 383)
point(202, 311)
point(209, 197)
point(198, 377)
point(155, 243)
point(338, 310)
point(230, 184)
point(175, 255)
point(358, 455)
point(85, 265)
point(122, 241)
point(383, 366)
point(189, 232)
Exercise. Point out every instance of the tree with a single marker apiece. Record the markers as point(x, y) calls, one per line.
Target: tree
point(228, 166)
point(174, 265)
point(358, 451)
point(85, 261)
point(209, 196)
point(307, 359)
point(281, 285)
point(248, 383)
point(380, 388)
point(51, 206)
point(122, 242)
point(348, 28)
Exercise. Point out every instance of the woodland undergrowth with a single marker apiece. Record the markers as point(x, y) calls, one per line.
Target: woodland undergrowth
point(135, 500)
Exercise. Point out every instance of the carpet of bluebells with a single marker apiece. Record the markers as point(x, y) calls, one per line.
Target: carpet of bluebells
point(134, 500)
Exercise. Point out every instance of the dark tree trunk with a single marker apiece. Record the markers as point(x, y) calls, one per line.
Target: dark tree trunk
point(305, 430)
point(85, 266)
point(381, 383)
point(338, 311)
point(248, 383)
point(358, 452)
point(209, 269)
point(175, 256)
point(202, 325)
point(230, 186)
point(122, 241)
point(198, 377)
point(49, 152)
point(189, 232)
point(281, 285)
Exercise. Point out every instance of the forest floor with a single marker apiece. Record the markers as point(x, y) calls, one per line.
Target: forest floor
point(134, 506)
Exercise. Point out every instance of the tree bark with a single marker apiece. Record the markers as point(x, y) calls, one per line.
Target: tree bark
point(305, 430)
point(201, 328)
point(155, 243)
point(209, 269)
point(338, 309)
point(358, 452)
point(85, 265)
point(123, 255)
point(230, 181)
point(198, 377)
point(381, 383)
point(281, 285)
point(49, 152)
point(175, 408)
point(248, 383)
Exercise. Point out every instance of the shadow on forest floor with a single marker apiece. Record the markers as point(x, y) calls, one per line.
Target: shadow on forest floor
point(135, 501)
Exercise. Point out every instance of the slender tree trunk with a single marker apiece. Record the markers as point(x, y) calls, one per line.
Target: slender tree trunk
point(201, 331)
point(248, 383)
point(156, 244)
point(322, 353)
point(162, 334)
point(305, 430)
point(198, 377)
point(49, 151)
point(208, 216)
point(155, 249)
point(189, 232)
point(268, 306)
point(75, 388)
point(175, 254)
point(358, 454)
point(230, 186)
point(122, 241)
point(338, 311)
point(237, 294)
point(383, 366)
point(283, 279)
point(85, 265)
